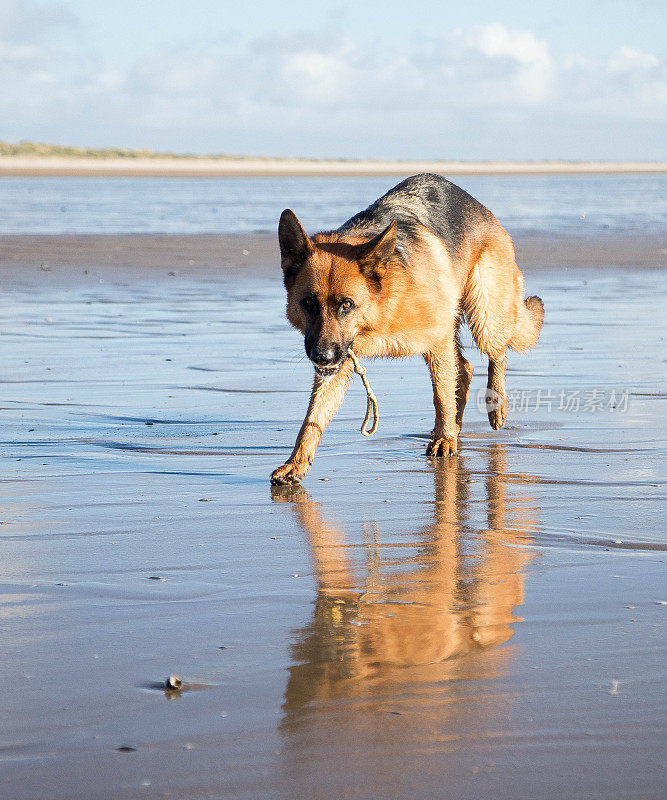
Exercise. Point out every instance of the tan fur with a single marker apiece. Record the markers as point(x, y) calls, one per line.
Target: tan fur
point(414, 309)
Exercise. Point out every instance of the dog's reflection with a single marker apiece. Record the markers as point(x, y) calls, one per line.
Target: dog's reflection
point(423, 601)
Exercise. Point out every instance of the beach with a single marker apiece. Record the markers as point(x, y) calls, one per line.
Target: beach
point(231, 166)
point(485, 626)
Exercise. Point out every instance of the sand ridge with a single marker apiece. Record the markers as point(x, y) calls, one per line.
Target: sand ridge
point(268, 167)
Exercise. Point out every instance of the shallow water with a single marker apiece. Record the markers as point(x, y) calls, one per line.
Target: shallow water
point(491, 625)
point(568, 204)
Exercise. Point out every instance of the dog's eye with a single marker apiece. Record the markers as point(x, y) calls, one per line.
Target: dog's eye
point(309, 305)
point(346, 305)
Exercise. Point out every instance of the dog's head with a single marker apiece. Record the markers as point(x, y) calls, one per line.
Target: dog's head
point(333, 288)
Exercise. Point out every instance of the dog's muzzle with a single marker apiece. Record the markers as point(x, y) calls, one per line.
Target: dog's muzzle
point(328, 371)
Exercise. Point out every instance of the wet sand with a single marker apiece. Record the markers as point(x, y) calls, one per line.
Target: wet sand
point(488, 626)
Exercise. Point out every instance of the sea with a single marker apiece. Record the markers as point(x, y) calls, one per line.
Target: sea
point(557, 204)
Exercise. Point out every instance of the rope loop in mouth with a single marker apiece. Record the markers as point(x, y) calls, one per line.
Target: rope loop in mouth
point(371, 399)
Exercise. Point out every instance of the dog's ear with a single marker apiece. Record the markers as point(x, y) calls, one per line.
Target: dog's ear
point(374, 255)
point(295, 246)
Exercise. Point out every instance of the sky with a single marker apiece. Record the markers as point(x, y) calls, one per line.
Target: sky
point(476, 80)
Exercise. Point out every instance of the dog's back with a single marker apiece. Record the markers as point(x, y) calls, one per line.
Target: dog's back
point(480, 252)
point(425, 201)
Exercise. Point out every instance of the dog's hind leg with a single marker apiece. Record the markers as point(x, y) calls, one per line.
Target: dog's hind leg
point(326, 397)
point(498, 316)
point(443, 365)
point(465, 372)
point(496, 395)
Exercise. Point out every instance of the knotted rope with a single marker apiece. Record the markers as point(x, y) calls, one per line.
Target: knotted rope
point(371, 400)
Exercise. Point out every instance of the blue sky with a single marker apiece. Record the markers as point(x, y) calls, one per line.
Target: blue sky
point(475, 80)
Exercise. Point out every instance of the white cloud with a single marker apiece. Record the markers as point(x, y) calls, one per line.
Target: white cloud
point(318, 76)
point(110, 79)
point(497, 41)
point(628, 59)
point(527, 59)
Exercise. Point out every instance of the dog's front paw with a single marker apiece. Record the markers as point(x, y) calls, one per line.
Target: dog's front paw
point(291, 472)
point(445, 446)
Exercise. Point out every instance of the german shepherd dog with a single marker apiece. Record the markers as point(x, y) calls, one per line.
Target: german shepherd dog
point(396, 280)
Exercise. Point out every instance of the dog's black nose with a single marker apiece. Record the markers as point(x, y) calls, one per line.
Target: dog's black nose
point(324, 355)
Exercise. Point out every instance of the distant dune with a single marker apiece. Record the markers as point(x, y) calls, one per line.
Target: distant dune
point(43, 150)
point(32, 159)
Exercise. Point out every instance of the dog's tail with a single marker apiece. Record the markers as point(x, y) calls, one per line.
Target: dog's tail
point(528, 326)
